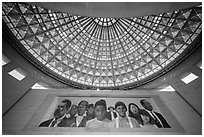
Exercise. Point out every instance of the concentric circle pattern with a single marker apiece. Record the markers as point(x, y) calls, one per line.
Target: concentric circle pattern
point(102, 52)
point(105, 21)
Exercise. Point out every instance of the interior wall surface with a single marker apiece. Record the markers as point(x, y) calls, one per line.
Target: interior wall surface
point(16, 120)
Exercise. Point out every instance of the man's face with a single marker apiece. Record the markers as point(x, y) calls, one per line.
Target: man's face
point(81, 109)
point(147, 105)
point(100, 112)
point(121, 110)
point(60, 111)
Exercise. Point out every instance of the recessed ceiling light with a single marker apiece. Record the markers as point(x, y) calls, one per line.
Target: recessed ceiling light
point(189, 78)
point(18, 74)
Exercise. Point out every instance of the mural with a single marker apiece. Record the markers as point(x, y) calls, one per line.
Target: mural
point(96, 112)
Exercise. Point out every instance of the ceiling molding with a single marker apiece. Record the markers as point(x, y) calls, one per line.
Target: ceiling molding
point(115, 9)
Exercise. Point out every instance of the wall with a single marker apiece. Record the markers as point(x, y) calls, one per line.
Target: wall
point(16, 120)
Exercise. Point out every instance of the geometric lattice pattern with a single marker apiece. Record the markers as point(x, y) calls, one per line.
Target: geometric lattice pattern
point(102, 52)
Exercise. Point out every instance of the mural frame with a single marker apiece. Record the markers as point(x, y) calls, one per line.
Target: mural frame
point(51, 100)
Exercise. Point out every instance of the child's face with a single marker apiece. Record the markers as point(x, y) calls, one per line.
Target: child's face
point(100, 112)
point(145, 119)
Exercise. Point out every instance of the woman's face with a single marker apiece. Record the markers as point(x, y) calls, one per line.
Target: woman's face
point(145, 119)
point(121, 110)
point(134, 109)
point(73, 110)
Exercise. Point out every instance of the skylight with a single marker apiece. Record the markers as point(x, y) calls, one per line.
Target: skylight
point(18, 74)
point(189, 78)
point(102, 52)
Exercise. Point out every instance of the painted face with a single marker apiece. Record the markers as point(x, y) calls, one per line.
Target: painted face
point(147, 106)
point(134, 109)
point(91, 110)
point(73, 110)
point(145, 119)
point(81, 109)
point(60, 111)
point(121, 110)
point(100, 112)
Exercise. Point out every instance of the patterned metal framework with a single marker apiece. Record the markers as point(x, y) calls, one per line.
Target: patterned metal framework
point(102, 52)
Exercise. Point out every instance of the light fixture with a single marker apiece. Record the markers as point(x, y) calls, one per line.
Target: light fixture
point(18, 73)
point(189, 78)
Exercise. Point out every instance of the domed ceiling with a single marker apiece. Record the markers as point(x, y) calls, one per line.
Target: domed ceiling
point(107, 53)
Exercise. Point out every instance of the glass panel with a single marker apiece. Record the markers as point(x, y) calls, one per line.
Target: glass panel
point(142, 45)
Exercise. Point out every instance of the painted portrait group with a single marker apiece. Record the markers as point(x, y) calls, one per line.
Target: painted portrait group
point(105, 113)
